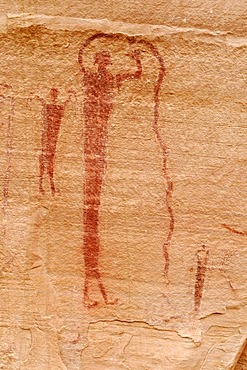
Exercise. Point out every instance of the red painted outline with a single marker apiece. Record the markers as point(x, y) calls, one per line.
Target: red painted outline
point(93, 219)
point(9, 136)
point(235, 231)
point(98, 106)
point(162, 144)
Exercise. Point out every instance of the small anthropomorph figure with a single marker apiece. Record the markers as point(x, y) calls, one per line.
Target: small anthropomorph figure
point(202, 260)
point(98, 105)
point(52, 117)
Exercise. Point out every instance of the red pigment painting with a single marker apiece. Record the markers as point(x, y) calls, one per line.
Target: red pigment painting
point(202, 259)
point(98, 106)
point(52, 115)
point(7, 98)
point(234, 231)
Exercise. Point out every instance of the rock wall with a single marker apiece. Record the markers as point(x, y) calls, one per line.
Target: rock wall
point(122, 169)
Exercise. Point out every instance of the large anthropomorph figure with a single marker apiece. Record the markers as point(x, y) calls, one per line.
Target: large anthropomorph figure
point(99, 88)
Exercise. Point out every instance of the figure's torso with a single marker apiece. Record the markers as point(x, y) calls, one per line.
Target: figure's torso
point(54, 114)
point(99, 88)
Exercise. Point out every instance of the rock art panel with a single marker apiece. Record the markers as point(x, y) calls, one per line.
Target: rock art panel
point(122, 172)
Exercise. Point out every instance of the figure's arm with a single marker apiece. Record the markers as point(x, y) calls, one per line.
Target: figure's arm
point(80, 59)
point(31, 97)
point(41, 100)
point(8, 89)
point(71, 98)
point(121, 77)
point(6, 98)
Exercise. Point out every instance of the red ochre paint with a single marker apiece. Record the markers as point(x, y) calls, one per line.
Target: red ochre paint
point(98, 105)
point(202, 259)
point(8, 99)
point(234, 231)
point(52, 116)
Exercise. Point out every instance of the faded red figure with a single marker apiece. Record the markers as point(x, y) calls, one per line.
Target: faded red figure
point(98, 104)
point(52, 117)
point(202, 260)
point(7, 99)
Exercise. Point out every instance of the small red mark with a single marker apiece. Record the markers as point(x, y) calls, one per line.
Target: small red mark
point(202, 259)
point(52, 117)
point(77, 340)
point(235, 231)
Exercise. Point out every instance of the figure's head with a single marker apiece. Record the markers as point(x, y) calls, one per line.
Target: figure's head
point(54, 94)
point(102, 58)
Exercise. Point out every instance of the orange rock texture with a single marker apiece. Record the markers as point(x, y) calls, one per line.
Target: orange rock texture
point(123, 185)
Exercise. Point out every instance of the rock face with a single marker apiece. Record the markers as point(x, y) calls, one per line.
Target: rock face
point(123, 171)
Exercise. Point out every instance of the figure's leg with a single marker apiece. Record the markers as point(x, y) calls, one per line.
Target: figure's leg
point(91, 259)
point(91, 243)
point(86, 299)
point(50, 165)
point(94, 170)
point(104, 295)
point(95, 163)
point(90, 250)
